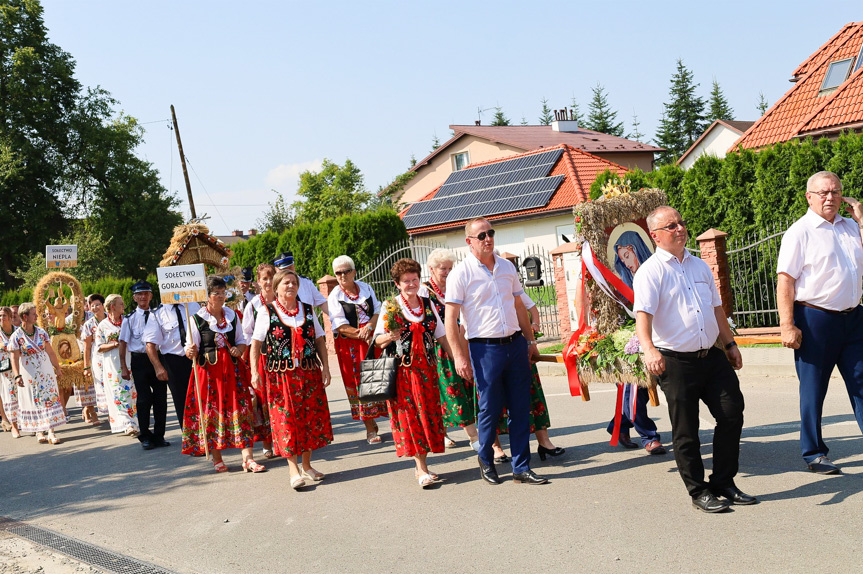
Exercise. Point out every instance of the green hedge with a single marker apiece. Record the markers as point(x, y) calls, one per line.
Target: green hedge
point(104, 287)
point(363, 237)
point(749, 191)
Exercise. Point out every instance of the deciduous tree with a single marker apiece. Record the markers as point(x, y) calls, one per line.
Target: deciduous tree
point(332, 192)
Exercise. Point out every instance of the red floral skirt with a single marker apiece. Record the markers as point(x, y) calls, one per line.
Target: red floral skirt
point(350, 353)
point(415, 413)
point(227, 407)
point(299, 413)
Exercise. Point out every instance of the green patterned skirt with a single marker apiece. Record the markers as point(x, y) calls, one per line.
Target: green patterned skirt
point(539, 418)
point(457, 396)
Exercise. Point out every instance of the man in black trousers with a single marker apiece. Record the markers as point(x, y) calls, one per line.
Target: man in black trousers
point(152, 393)
point(165, 337)
point(679, 317)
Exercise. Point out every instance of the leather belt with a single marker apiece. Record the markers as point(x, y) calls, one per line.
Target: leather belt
point(499, 341)
point(831, 311)
point(700, 354)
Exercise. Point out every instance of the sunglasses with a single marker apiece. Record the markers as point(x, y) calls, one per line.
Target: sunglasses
point(671, 227)
point(340, 273)
point(482, 235)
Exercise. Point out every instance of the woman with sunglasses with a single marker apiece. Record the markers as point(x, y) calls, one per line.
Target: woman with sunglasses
point(415, 412)
point(35, 369)
point(216, 343)
point(296, 374)
point(354, 311)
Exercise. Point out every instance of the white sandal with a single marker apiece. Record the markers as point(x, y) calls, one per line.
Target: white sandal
point(448, 442)
point(312, 475)
point(298, 482)
point(425, 481)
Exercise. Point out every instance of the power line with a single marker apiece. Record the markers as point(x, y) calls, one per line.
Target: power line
point(208, 193)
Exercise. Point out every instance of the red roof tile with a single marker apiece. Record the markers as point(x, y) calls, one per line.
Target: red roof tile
point(801, 110)
point(534, 137)
point(579, 169)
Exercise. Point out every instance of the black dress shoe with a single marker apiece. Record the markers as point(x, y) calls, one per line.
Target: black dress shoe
point(823, 465)
point(146, 444)
point(528, 477)
point(735, 495)
point(488, 473)
point(624, 441)
point(710, 504)
point(160, 442)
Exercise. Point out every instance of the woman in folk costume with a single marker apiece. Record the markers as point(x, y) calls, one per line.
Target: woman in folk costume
point(216, 342)
point(35, 369)
point(8, 386)
point(415, 412)
point(92, 358)
point(290, 343)
point(120, 393)
point(263, 430)
point(354, 311)
point(458, 397)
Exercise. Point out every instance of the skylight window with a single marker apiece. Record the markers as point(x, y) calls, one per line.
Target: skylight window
point(836, 74)
point(859, 60)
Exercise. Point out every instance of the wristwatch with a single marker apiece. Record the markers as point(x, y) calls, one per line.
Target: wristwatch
point(730, 345)
point(531, 342)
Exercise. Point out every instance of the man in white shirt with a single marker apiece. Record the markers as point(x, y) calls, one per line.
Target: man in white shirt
point(820, 269)
point(485, 289)
point(152, 392)
point(165, 336)
point(678, 319)
point(246, 286)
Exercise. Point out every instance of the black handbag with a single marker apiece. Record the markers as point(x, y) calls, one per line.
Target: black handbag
point(377, 378)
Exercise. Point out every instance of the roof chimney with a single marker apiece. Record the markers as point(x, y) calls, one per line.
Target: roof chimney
point(253, 232)
point(237, 233)
point(569, 126)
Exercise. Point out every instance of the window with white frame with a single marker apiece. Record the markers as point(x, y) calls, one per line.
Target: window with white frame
point(836, 74)
point(460, 160)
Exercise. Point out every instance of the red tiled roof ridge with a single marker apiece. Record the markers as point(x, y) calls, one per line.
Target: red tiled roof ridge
point(802, 69)
point(582, 131)
point(828, 100)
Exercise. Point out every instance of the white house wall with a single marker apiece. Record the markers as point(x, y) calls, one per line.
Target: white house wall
point(715, 143)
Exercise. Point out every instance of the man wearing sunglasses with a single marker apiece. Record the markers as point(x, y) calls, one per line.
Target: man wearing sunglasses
point(820, 268)
point(485, 289)
point(679, 316)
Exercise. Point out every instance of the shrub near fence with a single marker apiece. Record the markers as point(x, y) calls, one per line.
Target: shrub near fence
point(104, 287)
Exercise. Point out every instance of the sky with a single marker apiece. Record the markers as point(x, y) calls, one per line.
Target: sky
point(265, 90)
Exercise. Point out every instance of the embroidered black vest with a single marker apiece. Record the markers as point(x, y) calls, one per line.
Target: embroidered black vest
point(439, 305)
point(429, 324)
point(350, 309)
point(278, 345)
point(209, 351)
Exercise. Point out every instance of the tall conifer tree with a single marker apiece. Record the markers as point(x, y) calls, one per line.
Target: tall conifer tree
point(683, 118)
point(601, 118)
point(719, 108)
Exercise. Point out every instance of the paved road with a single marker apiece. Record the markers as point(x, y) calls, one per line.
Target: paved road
point(606, 509)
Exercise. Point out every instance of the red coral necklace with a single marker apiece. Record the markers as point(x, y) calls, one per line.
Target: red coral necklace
point(118, 323)
point(408, 307)
point(292, 313)
point(436, 289)
point(353, 297)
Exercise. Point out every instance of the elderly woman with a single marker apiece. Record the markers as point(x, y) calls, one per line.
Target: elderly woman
point(415, 411)
point(290, 343)
point(216, 342)
point(35, 369)
point(354, 311)
point(263, 430)
point(458, 397)
point(120, 393)
point(8, 388)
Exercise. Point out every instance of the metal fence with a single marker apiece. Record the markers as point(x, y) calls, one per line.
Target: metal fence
point(752, 271)
point(378, 276)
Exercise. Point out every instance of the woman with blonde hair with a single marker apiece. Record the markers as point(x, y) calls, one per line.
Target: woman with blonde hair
point(35, 369)
point(120, 393)
point(354, 311)
point(458, 396)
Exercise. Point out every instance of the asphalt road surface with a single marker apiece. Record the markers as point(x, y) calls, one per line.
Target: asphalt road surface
point(606, 509)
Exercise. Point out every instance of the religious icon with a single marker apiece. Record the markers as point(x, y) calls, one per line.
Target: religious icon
point(629, 246)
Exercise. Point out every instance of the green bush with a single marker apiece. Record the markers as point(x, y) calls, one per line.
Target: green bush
point(105, 286)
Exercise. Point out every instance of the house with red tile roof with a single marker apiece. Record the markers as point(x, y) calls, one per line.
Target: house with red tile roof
point(827, 96)
point(528, 197)
point(714, 141)
point(475, 144)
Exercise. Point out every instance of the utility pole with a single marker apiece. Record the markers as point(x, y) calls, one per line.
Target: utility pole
point(183, 161)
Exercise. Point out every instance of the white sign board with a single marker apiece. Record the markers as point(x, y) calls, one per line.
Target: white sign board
point(57, 256)
point(182, 283)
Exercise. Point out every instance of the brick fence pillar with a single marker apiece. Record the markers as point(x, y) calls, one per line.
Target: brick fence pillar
point(566, 311)
point(713, 252)
point(326, 284)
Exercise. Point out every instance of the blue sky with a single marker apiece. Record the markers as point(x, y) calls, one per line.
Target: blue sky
point(264, 90)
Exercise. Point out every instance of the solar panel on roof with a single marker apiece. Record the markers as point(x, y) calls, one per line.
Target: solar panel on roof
point(491, 189)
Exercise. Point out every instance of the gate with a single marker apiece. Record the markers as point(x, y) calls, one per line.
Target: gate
point(378, 276)
point(752, 270)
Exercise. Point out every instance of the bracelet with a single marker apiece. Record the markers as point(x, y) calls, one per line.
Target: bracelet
point(730, 345)
point(531, 343)
point(17, 377)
